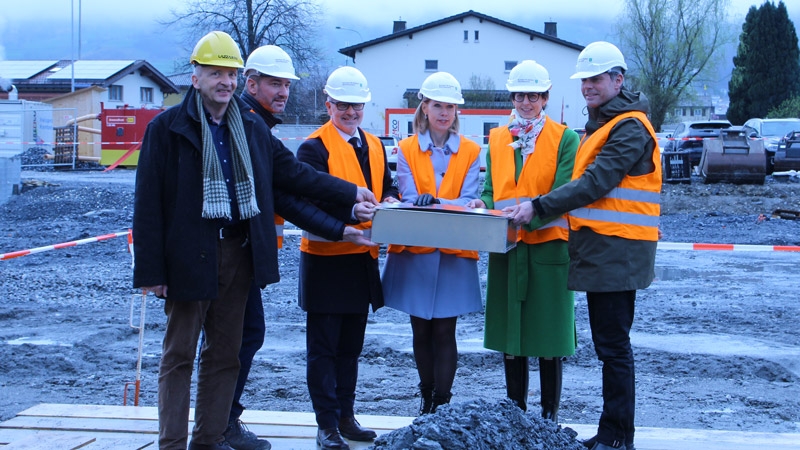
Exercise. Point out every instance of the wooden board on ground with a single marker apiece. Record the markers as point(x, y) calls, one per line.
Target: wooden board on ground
point(93, 427)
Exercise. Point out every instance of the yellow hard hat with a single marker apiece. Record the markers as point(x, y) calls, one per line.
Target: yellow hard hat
point(217, 49)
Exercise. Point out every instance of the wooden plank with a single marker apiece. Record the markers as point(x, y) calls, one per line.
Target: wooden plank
point(51, 441)
point(81, 424)
point(96, 411)
point(8, 435)
point(650, 438)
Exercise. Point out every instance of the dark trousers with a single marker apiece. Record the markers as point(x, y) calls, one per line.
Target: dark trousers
point(221, 321)
point(611, 317)
point(252, 340)
point(334, 343)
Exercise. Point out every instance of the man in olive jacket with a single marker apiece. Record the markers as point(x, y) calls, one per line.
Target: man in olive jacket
point(203, 231)
point(613, 202)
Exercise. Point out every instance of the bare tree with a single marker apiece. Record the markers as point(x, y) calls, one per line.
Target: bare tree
point(669, 44)
point(289, 24)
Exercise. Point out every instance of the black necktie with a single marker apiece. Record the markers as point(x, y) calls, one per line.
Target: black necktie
point(354, 142)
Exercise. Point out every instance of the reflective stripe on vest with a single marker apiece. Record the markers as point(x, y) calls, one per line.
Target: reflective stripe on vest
point(421, 167)
point(279, 230)
point(632, 209)
point(536, 177)
point(342, 163)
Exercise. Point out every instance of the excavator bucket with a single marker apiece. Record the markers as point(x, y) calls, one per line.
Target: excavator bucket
point(733, 158)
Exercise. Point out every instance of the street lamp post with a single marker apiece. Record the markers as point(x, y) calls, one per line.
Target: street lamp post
point(361, 38)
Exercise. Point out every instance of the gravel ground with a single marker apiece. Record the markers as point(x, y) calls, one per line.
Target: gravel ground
point(715, 336)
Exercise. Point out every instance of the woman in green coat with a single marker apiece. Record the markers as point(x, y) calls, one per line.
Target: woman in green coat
point(529, 310)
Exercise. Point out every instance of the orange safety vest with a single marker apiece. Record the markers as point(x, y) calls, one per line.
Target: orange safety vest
point(632, 209)
point(419, 162)
point(279, 230)
point(342, 163)
point(536, 178)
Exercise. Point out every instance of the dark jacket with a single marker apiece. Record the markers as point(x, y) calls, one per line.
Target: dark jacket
point(600, 263)
point(341, 284)
point(302, 213)
point(173, 244)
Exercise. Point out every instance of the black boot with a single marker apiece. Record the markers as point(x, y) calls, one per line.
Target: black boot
point(550, 370)
point(439, 400)
point(425, 399)
point(516, 368)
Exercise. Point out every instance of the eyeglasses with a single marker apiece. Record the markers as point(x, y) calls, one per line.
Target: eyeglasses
point(533, 97)
point(342, 106)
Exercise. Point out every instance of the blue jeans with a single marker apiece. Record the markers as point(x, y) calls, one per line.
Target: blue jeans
point(611, 317)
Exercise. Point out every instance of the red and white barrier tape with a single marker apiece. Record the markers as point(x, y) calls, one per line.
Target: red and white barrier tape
point(298, 139)
point(661, 245)
point(17, 254)
point(728, 247)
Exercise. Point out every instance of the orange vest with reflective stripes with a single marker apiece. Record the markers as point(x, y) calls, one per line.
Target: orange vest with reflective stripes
point(342, 163)
point(632, 209)
point(419, 162)
point(536, 178)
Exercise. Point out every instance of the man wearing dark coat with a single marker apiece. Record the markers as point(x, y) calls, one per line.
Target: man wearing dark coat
point(339, 281)
point(203, 232)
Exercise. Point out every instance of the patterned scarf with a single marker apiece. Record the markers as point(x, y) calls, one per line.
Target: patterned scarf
point(526, 131)
point(216, 202)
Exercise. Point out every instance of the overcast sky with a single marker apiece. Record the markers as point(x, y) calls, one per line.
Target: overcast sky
point(113, 29)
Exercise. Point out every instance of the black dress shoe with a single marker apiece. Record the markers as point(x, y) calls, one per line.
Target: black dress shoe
point(330, 439)
point(351, 429)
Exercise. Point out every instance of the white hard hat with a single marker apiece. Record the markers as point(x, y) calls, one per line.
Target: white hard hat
point(528, 76)
point(270, 60)
point(441, 87)
point(348, 84)
point(598, 57)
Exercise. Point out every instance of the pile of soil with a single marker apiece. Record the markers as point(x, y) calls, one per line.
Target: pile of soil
point(714, 337)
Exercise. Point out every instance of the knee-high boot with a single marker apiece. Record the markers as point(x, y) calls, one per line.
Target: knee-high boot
point(550, 371)
point(516, 368)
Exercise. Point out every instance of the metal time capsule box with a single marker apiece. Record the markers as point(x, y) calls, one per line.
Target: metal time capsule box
point(443, 226)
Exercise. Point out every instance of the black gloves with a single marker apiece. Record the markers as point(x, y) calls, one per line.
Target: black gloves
point(426, 200)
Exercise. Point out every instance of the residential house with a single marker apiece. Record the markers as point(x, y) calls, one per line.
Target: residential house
point(477, 49)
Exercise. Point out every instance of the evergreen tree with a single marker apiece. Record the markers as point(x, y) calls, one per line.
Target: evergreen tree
point(767, 63)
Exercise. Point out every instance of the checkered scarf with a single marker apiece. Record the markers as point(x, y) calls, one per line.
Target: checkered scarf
point(216, 202)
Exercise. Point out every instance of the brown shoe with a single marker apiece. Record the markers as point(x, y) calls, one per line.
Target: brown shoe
point(330, 439)
point(351, 429)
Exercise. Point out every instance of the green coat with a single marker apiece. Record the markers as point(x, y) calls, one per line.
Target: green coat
point(529, 310)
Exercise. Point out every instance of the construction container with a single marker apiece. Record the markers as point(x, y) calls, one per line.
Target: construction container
point(122, 133)
point(734, 158)
point(676, 167)
point(444, 226)
point(24, 125)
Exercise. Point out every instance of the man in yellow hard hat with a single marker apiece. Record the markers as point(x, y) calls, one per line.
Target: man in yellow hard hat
point(203, 232)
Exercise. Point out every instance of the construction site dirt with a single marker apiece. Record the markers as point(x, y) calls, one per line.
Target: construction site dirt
point(715, 337)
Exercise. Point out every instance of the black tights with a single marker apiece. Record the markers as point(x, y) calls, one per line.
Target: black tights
point(435, 352)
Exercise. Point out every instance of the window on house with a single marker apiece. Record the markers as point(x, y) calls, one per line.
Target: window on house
point(678, 112)
point(466, 35)
point(486, 127)
point(432, 64)
point(510, 65)
point(146, 94)
point(476, 35)
point(698, 111)
point(115, 92)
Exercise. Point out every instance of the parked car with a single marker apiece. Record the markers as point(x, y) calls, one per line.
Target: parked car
point(771, 130)
point(688, 137)
point(390, 144)
point(787, 155)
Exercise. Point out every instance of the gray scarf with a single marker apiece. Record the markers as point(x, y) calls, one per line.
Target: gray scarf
point(216, 202)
